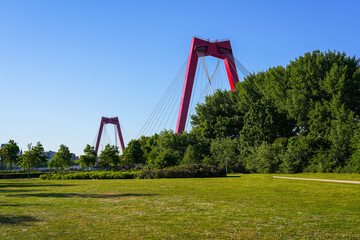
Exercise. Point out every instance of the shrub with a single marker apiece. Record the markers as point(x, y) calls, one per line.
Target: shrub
point(90, 175)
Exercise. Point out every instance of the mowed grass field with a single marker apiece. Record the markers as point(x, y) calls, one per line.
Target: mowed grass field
point(236, 207)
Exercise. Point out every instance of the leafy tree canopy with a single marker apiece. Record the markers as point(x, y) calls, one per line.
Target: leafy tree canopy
point(61, 159)
point(89, 158)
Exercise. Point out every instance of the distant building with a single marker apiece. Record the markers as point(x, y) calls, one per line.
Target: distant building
point(74, 157)
point(49, 155)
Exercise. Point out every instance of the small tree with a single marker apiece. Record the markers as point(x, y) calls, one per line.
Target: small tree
point(2, 158)
point(29, 159)
point(224, 152)
point(61, 159)
point(40, 153)
point(89, 158)
point(10, 153)
point(109, 156)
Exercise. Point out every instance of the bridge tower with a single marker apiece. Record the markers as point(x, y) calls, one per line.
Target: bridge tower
point(202, 48)
point(115, 121)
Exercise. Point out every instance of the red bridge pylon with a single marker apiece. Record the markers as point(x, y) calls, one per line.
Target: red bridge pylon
point(202, 48)
point(115, 121)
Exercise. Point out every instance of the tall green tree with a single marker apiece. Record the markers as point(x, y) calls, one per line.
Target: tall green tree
point(10, 153)
point(2, 158)
point(134, 153)
point(218, 117)
point(40, 152)
point(61, 159)
point(32, 157)
point(109, 156)
point(225, 152)
point(89, 158)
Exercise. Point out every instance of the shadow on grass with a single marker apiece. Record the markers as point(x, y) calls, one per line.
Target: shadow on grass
point(78, 195)
point(24, 185)
point(21, 220)
point(18, 190)
point(5, 204)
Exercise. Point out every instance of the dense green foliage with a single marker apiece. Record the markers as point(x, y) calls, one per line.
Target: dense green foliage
point(9, 154)
point(134, 152)
point(89, 158)
point(32, 157)
point(61, 159)
point(300, 118)
point(109, 156)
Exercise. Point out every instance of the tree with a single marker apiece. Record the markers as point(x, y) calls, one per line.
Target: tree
point(40, 153)
point(163, 158)
point(218, 117)
point(2, 158)
point(225, 151)
point(266, 158)
point(31, 157)
point(10, 153)
point(263, 122)
point(89, 158)
point(109, 156)
point(133, 153)
point(61, 159)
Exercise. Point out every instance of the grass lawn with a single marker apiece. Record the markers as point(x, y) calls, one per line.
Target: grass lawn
point(238, 207)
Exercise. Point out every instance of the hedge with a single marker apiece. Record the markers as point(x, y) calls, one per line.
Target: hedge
point(90, 175)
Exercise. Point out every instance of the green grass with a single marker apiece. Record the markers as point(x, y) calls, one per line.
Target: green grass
point(238, 207)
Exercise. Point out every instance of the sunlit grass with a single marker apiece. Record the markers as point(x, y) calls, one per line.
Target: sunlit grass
point(243, 207)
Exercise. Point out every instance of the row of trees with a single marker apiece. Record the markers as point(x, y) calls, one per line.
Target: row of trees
point(300, 118)
point(107, 158)
point(9, 155)
point(33, 157)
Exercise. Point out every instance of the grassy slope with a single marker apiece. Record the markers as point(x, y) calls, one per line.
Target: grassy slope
point(249, 206)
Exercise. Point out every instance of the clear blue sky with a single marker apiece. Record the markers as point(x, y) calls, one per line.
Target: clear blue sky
point(64, 64)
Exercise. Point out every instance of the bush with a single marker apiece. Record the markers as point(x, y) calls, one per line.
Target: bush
point(90, 175)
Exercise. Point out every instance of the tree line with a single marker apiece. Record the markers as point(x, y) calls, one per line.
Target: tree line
point(35, 156)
